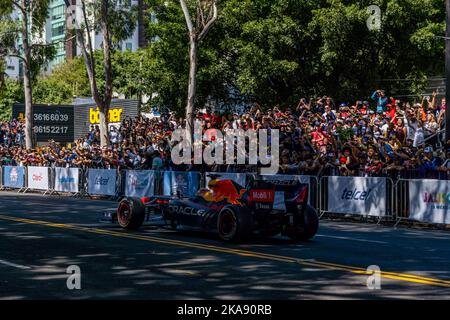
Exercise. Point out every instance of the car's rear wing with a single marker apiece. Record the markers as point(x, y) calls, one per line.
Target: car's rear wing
point(293, 190)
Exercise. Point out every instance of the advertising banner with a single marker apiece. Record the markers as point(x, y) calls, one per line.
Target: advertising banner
point(429, 201)
point(38, 178)
point(185, 184)
point(357, 195)
point(239, 178)
point(13, 177)
point(67, 179)
point(102, 182)
point(139, 183)
point(50, 122)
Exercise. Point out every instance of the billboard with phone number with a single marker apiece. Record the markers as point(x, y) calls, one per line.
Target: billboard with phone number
point(50, 122)
point(67, 123)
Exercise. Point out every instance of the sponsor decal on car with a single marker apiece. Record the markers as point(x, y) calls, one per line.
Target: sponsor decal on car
point(186, 210)
point(262, 195)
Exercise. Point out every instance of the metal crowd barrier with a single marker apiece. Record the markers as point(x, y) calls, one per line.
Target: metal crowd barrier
point(388, 214)
point(402, 203)
point(396, 197)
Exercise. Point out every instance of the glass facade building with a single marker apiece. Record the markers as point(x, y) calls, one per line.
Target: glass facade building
point(55, 31)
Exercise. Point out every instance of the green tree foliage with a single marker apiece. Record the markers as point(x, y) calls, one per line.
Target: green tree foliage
point(66, 81)
point(353, 59)
point(132, 75)
point(280, 50)
point(11, 91)
point(272, 51)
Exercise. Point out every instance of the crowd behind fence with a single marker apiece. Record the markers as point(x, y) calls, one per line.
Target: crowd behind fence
point(425, 200)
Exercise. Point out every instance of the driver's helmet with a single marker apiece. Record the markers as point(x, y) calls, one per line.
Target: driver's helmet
point(213, 184)
point(205, 194)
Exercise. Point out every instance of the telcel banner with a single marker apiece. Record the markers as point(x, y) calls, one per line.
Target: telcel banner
point(357, 195)
point(429, 201)
point(139, 183)
point(13, 177)
point(184, 183)
point(67, 179)
point(102, 182)
point(38, 178)
point(239, 178)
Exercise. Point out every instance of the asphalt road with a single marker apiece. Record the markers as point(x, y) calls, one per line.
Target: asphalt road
point(40, 237)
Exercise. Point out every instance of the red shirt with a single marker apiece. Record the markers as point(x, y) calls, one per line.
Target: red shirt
point(391, 111)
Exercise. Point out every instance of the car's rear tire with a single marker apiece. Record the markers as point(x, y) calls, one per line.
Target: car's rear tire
point(234, 224)
point(310, 226)
point(131, 213)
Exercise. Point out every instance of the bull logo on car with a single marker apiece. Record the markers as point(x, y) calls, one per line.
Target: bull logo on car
point(224, 190)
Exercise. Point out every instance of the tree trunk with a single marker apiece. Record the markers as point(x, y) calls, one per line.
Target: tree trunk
point(28, 108)
point(27, 81)
point(192, 89)
point(107, 67)
point(104, 132)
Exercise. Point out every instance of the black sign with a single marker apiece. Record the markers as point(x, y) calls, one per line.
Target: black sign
point(67, 123)
point(87, 115)
point(53, 122)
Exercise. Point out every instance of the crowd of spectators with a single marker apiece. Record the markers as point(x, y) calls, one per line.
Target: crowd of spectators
point(381, 137)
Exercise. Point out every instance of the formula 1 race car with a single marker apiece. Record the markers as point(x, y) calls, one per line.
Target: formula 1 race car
point(230, 210)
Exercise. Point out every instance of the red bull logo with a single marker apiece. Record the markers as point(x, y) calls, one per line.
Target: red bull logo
point(225, 190)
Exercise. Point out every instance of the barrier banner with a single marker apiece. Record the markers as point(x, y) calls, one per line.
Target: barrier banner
point(184, 183)
point(239, 178)
point(38, 178)
point(357, 195)
point(13, 177)
point(67, 179)
point(429, 201)
point(102, 182)
point(139, 183)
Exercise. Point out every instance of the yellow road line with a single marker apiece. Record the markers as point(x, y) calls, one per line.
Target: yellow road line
point(412, 278)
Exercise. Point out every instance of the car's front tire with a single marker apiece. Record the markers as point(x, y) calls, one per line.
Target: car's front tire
point(309, 228)
point(234, 223)
point(131, 213)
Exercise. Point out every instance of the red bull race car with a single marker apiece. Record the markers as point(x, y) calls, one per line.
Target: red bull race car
point(228, 209)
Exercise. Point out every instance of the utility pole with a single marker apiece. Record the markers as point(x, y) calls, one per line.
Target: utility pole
point(447, 71)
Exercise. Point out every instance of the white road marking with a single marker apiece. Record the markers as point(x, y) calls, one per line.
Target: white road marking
point(351, 239)
point(18, 266)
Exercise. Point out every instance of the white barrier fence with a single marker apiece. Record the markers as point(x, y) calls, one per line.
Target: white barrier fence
point(67, 180)
point(139, 183)
point(102, 182)
point(13, 177)
point(429, 201)
point(416, 200)
point(38, 178)
point(357, 195)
